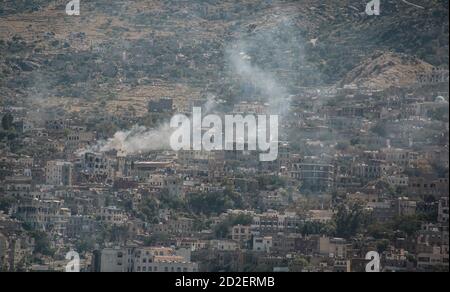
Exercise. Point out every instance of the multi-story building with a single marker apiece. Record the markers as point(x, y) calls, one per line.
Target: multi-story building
point(57, 125)
point(180, 226)
point(80, 225)
point(437, 75)
point(317, 176)
point(285, 243)
point(333, 247)
point(97, 165)
point(77, 139)
point(115, 260)
point(273, 222)
point(400, 157)
point(262, 243)
point(443, 210)
point(143, 259)
point(371, 170)
point(241, 233)
point(44, 215)
point(224, 245)
point(424, 186)
point(59, 173)
point(112, 215)
point(18, 186)
point(436, 259)
point(388, 209)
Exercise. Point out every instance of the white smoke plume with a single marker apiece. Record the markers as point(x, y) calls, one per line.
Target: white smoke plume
point(210, 104)
point(138, 139)
point(242, 66)
point(238, 56)
point(268, 60)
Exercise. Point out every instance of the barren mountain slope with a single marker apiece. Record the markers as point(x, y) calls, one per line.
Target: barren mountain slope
point(384, 70)
point(120, 53)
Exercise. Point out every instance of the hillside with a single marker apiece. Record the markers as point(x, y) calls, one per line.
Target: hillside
point(118, 54)
point(385, 70)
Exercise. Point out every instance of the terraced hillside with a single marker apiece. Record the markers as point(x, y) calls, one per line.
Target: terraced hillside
point(120, 53)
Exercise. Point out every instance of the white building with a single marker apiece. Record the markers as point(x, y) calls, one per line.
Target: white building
point(224, 245)
point(145, 259)
point(263, 244)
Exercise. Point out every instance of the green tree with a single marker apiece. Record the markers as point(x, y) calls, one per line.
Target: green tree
point(222, 230)
point(298, 264)
point(7, 122)
point(85, 244)
point(349, 220)
point(156, 238)
point(6, 203)
point(382, 245)
point(42, 243)
point(380, 231)
point(409, 225)
point(380, 129)
point(342, 145)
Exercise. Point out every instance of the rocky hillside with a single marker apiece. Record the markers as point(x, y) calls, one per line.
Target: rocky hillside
point(384, 70)
point(118, 54)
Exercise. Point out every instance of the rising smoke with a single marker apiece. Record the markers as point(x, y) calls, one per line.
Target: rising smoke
point(252, 60)
point(261, 80)
point(137, 140)
point(269, 61)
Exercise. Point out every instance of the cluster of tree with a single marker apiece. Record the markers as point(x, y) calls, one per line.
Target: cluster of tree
point(310, 227)
point(440, 114)
point(350, 219)
point(156, 238)
point(148, 210)
point(42, 243)
point(6, 202)
point(222, 230)
point(8, 130)
point(7, 122)
point(380, 129)
point(108, 233)
point(400, 226)
point(270, 182)
point(214, 203)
